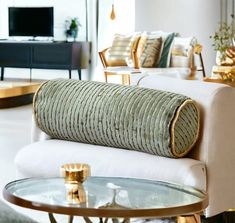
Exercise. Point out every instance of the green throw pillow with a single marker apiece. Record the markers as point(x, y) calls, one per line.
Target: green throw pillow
point(166, 52)
point(141, 119)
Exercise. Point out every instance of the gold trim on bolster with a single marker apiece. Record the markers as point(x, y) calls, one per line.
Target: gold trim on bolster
point(34, 99)
point(172, 132)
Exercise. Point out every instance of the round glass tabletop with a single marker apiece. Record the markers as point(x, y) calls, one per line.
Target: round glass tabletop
point(107, 197)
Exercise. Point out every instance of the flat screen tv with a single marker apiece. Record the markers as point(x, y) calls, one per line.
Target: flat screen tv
point(31, 21)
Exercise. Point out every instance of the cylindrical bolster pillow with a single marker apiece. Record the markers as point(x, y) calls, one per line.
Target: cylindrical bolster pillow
point(146, 120)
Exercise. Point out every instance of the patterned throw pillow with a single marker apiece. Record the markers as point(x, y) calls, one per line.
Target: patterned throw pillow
point(167, 43)
point(121, 49)
point(151, 52)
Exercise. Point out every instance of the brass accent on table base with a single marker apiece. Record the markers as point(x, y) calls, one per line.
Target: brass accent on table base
point(53, 220)
point(189, 219)
point(105, 220)
point(181, 219)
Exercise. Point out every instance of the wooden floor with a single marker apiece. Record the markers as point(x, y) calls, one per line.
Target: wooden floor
point(13, 94)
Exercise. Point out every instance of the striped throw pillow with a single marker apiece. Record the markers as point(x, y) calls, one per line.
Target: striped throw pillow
point(121, 49)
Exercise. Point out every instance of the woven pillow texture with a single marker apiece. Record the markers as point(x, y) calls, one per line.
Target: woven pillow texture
point(129, 117)
point(168, 41)
point(151, 53)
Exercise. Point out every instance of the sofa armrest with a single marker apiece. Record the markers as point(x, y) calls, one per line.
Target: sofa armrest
point(216, 145)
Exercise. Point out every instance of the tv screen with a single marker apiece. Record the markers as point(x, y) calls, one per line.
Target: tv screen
point(31, 21)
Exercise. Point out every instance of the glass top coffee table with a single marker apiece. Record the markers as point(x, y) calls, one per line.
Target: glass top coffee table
point(107, 197)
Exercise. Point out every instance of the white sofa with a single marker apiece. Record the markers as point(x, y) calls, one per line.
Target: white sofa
point(210, 166)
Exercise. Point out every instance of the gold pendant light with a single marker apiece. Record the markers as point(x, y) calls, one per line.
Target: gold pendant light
point(112, 15)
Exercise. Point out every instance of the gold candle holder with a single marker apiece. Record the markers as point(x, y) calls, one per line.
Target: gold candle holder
point(74, 175)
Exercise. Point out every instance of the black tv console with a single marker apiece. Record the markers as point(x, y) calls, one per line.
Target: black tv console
point(44, 55)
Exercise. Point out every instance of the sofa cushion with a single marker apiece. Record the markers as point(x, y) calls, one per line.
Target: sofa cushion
point(182, 52)
point(107, 161)
point(180, 61)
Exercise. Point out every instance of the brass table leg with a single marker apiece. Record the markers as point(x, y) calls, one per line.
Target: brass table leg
point(106, 220)
point(53, 220)
point(189, 219)
point(87, 220)
point(70, 220)
point(126, 220)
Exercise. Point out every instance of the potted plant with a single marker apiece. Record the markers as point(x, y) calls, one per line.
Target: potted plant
point(223, 39)
point(72, 27)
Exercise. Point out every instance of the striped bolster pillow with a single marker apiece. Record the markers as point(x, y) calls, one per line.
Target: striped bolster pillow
point(134, 118)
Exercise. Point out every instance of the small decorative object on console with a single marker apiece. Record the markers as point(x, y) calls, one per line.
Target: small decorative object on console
point(72, 28)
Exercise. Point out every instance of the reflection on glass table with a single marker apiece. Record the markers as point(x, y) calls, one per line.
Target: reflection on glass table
point(108, 197)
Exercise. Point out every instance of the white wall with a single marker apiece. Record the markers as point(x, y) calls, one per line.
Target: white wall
point(62, 10)
point(124, 22)
point(197, 18)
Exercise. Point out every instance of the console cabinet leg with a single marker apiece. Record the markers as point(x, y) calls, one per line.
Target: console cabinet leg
point(70, 74)
point(70, 220)
point(2, 73)
point(79, 74)
point(189, 219)
point(30, 75)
